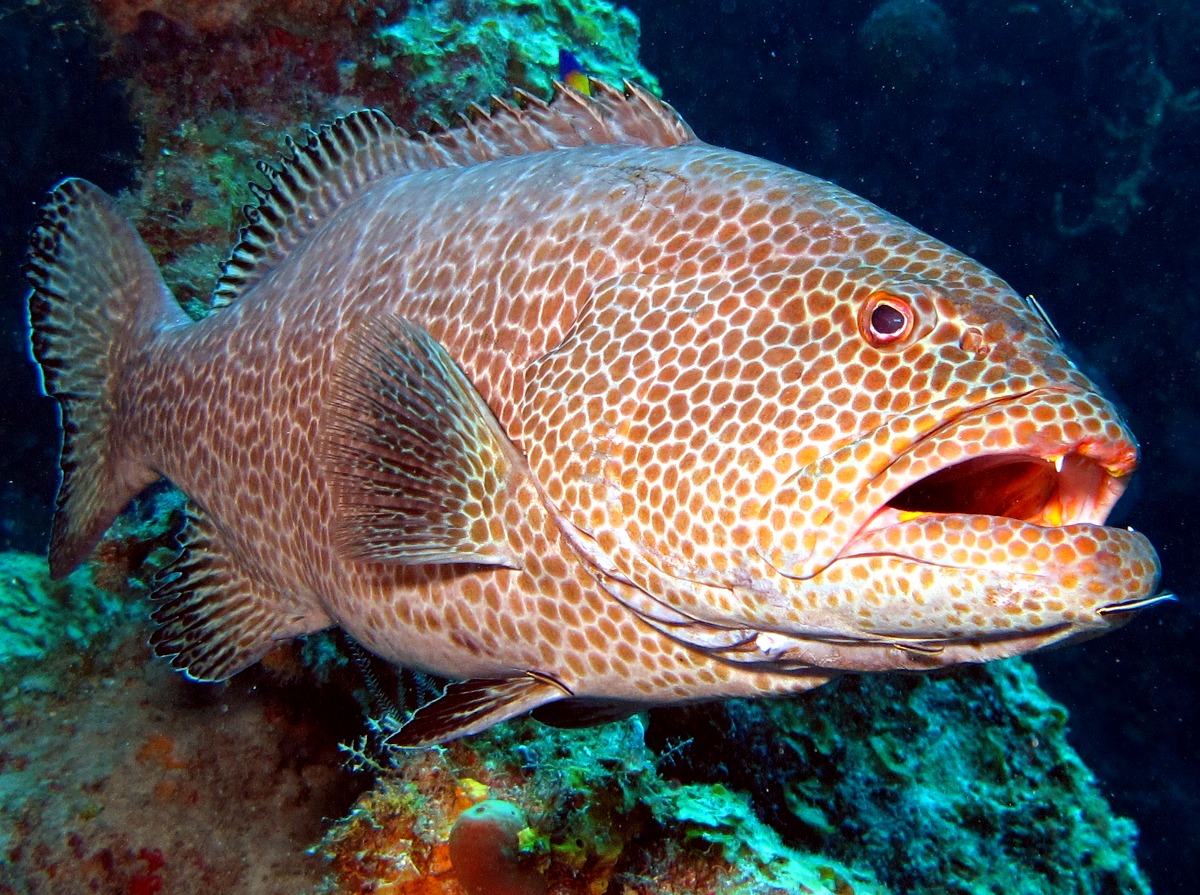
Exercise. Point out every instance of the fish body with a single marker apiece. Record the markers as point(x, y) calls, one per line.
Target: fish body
point(567, 404)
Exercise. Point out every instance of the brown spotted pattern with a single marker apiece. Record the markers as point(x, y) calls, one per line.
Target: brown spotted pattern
point(771, 432)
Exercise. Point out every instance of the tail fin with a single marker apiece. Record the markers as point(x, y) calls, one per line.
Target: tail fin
point(97, 295)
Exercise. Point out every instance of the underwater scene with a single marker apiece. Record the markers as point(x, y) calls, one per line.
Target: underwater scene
point(565, 447)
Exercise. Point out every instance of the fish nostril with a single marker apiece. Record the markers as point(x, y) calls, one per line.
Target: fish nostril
point(973, 342)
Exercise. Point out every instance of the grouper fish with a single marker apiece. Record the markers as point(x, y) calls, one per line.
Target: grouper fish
point(569, 406)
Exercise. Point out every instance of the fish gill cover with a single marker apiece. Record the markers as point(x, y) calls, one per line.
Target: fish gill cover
point(704, 828)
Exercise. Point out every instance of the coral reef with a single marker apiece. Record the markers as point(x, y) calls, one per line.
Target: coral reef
point(602, 818)
point(957, 783)
point(39, 617)
point(444, 49)
point(245, 75)
point(973, 767)
point(118, 777)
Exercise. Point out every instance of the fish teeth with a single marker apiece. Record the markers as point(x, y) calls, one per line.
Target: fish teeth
point(1057, 461)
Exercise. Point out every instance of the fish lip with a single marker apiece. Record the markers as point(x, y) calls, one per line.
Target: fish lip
point(1081, 478)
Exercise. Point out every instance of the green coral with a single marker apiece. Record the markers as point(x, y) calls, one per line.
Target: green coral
point(957, 783)
point(713, 813)
point(92, 608)
point(39, 616)
point(975, 770)
point(461, 51)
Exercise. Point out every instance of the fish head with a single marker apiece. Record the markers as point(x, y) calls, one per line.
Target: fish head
point(849, 446)
point(958, 512)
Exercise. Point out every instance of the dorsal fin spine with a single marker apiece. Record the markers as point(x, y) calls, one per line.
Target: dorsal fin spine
point(338, 161)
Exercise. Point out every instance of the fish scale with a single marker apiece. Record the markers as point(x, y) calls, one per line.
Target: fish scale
point(574, 408)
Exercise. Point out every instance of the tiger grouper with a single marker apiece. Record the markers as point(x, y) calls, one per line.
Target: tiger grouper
point(571, 407)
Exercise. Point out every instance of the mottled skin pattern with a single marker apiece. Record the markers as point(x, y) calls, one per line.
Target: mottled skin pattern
point(682, 343)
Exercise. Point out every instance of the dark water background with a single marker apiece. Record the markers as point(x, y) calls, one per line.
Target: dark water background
point(968, 119)
point(1055, 142)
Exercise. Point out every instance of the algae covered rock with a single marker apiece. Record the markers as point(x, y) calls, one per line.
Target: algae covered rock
point(457, 53)
point(960, 783)
point(602, 818)
point(39, 616)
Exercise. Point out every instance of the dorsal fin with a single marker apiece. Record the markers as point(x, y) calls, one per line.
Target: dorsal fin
point(630, 115)
point(305, 189)
point(340, 159)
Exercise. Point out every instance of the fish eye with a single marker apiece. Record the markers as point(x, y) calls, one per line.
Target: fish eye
point(886, 319)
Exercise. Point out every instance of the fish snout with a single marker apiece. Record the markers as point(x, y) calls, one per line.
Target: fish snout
point(1127, 573)
point(986, 576)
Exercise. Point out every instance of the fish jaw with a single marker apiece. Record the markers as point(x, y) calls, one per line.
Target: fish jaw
point(983, 538)
point(942, 589)
point(1063, 580)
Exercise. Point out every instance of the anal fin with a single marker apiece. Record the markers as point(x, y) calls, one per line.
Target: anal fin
point(214, 619)
point(469, 707)
point(419, 466)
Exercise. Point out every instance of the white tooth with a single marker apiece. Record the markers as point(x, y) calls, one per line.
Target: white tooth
point(1058, 463)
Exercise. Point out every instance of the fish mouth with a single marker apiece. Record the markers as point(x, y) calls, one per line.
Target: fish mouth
point(1066, 471)
point(981, 537)
point(1045, 458)
point(1050, 490)
point(1021, 501)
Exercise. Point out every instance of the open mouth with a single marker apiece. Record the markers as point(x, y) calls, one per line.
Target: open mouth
point(1055, 492)
point(1050, 458)
point(1049, 480)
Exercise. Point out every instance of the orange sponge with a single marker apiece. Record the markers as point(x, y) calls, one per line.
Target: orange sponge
point(485, 853)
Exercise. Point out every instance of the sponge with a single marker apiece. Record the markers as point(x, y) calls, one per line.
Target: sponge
point(486, 855)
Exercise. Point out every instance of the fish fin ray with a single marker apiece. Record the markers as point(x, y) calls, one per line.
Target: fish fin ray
point(627, 115)
point(213, 619)
point(337, 161)
point(419, 465)
point(472, 706)
point(96, 294)
point(304, 190)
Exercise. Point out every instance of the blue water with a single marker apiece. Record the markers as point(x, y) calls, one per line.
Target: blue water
point(1055, 142)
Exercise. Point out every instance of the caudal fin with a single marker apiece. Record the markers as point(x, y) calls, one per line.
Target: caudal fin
point(96, 296)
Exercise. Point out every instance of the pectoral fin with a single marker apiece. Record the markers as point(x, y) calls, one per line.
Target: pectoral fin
point(419, 465)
